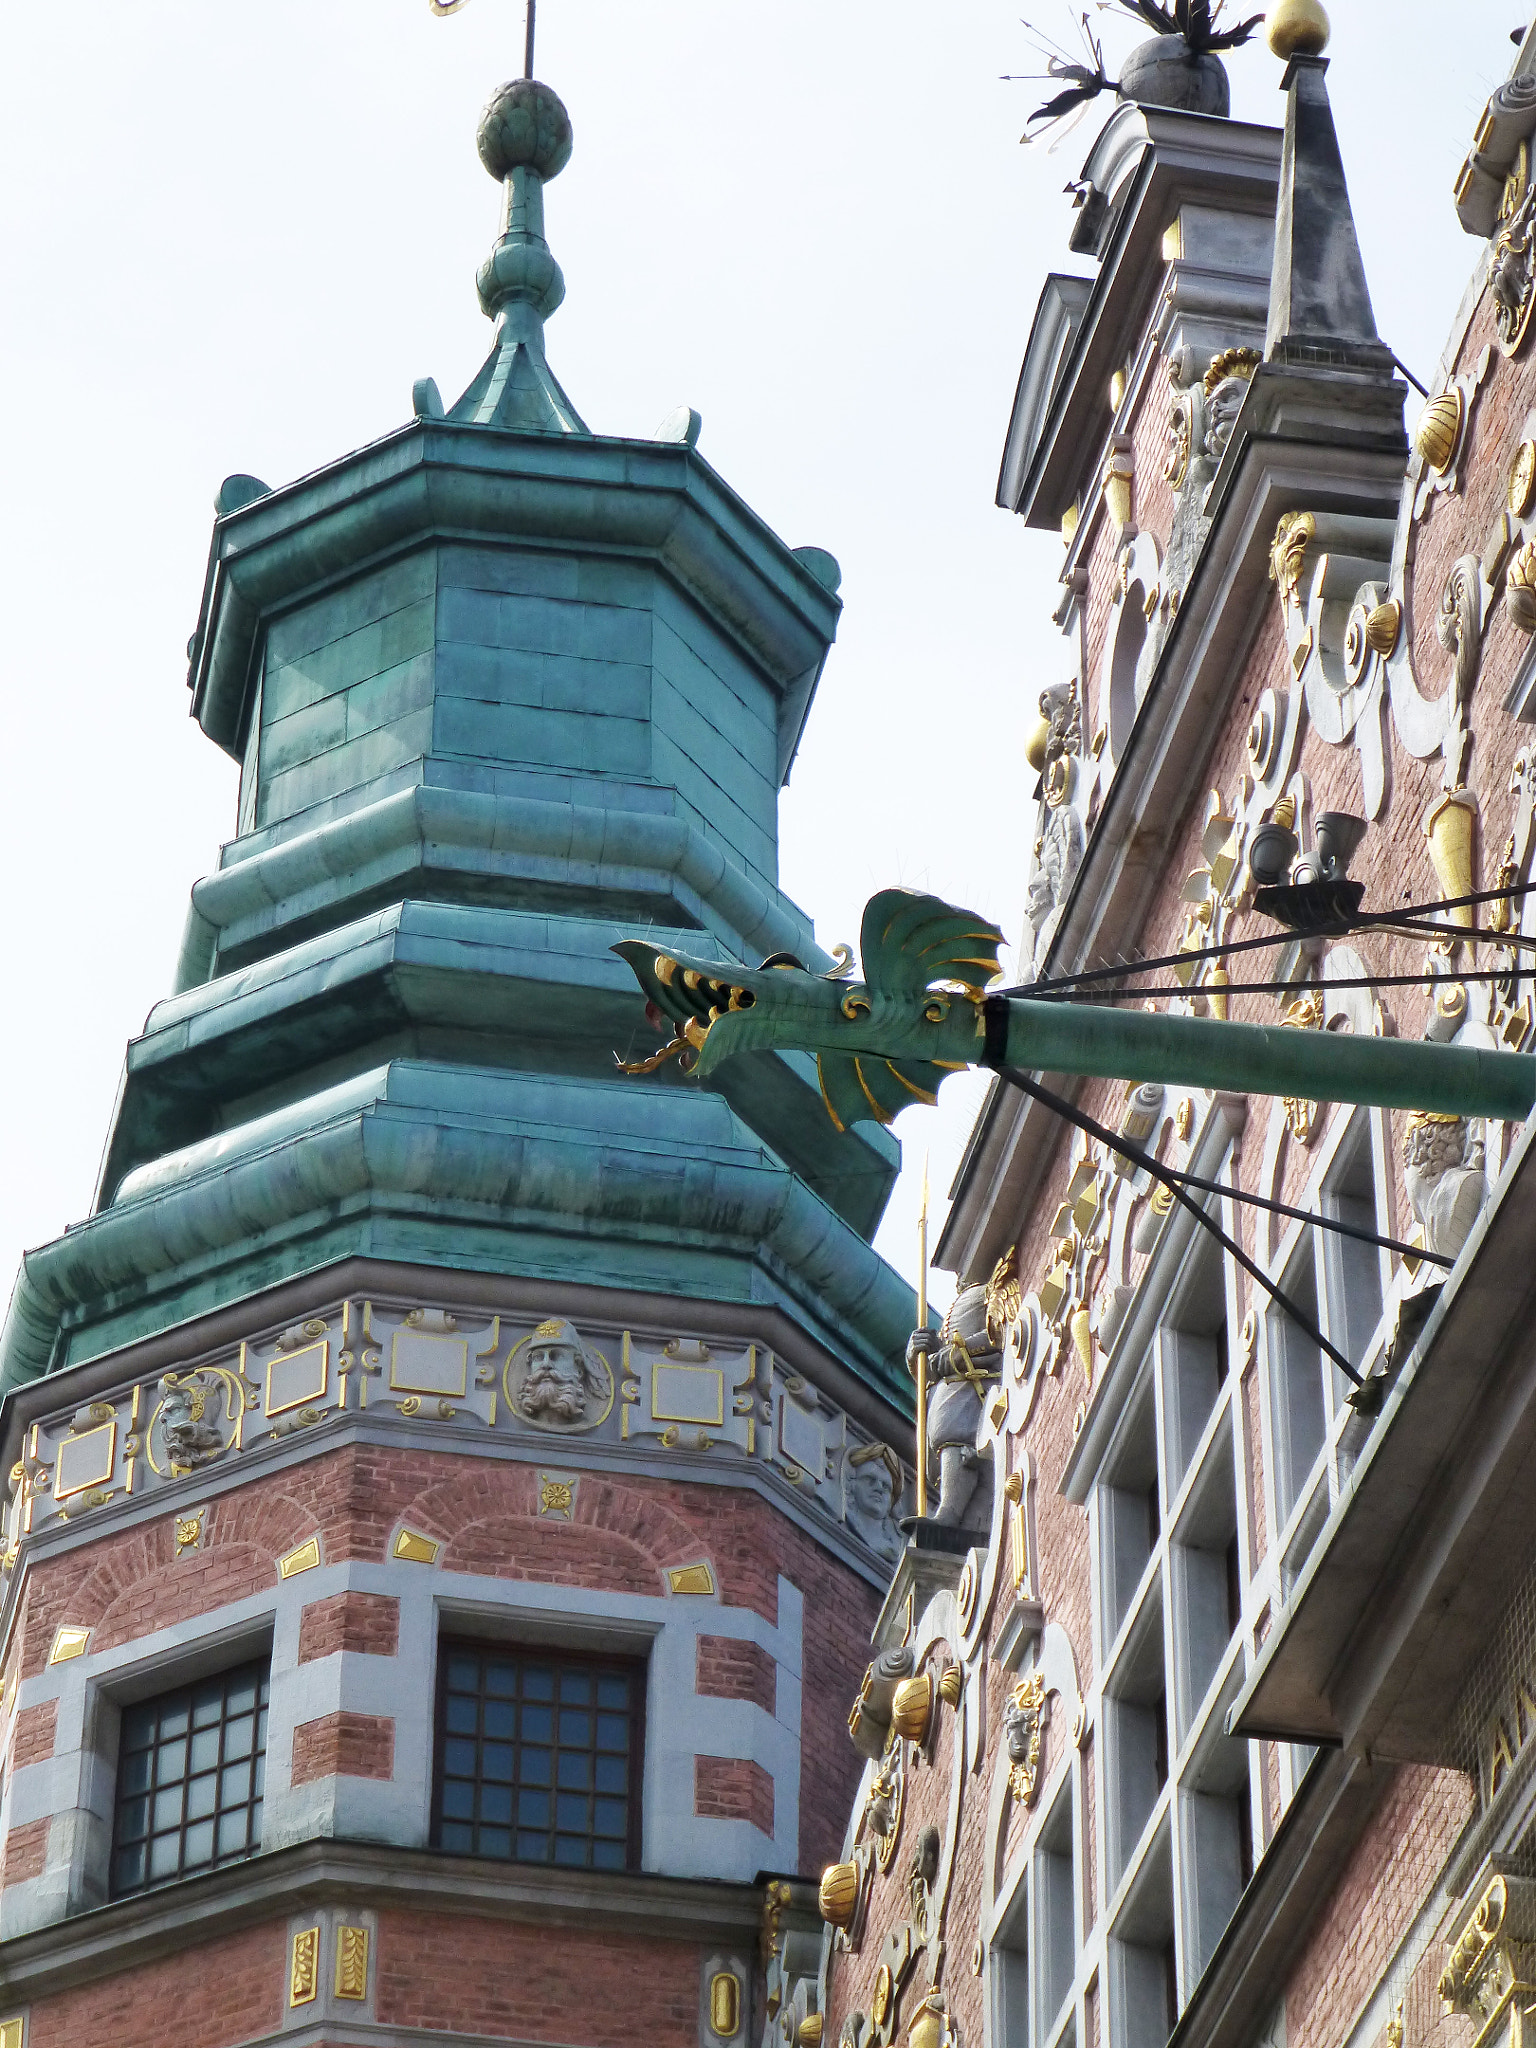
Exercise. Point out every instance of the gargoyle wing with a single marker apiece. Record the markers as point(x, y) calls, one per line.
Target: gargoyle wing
point(863, 1088)
point(909, 941)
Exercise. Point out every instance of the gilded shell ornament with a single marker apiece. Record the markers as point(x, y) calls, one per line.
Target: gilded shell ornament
point(1382, 627)
point(912, 1707)
point(838, 1894)
point(1439, 429)
point(1520, 589)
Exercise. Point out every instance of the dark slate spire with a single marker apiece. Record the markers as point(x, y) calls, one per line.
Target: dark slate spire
point(1319, 301)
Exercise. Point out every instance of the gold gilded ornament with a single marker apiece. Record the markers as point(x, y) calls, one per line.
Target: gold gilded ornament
point(303, 1559)
point(1082, 1337)
point(912, 1707)
point(808, 2033)
point(1025, 1716)
point(838, 1894)
point(1293, 535)
point(1036, 744)
point(950, 1684)
point(1449, 824)
point(1232, 362)
point(1383, 627)
point(725, 2003)
point(880, 1999)
point(1297, 28)
point(1522, 479)
point(930, 2026)
point(1439, 429)
point(1005, 1295)
point(1520, 588)
point(304, 1969)
point(351, 1962)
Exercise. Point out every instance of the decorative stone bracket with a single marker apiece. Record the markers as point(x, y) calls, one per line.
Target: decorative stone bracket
point(1490, 1978)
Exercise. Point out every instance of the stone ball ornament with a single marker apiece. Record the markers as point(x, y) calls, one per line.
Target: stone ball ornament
point(524, 125)
point(1297, 28)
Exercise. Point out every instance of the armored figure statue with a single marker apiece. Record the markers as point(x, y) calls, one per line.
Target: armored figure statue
point(959, 1356)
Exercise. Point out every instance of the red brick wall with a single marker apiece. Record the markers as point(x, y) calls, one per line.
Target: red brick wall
point(1393, 1870)
point(600, 1987)
point(369, 1622)
point(930, 1776)
point(232, 1991)
point(732, 1670)
point(26, 1852)
point(733, 1788)
point(35, 1727)
point(624, 1536)
point(345, 1745)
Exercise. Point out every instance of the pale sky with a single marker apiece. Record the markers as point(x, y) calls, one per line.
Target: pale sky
point(234, 231)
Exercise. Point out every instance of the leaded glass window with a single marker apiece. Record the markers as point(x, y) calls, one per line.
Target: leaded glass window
point(538, 1756)
point(189, 1779)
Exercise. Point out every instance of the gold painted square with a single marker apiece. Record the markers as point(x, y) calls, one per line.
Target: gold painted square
point(420, 1362)
point(688, 1393)
point(13, 2031)
point(304, 1559)
point(351, 1962)
point(85, 1460)
point(415, 1548)
point(691, 1578)
point(296, 1377)
point(304, 1971)
point(67, 1643)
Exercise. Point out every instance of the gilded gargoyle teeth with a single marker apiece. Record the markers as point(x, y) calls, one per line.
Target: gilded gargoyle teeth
point(695, 1033)
point(665, 968)
point(741, 999)
point(692, 978)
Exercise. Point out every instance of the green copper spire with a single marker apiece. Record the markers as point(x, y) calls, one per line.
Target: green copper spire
point(524, 139)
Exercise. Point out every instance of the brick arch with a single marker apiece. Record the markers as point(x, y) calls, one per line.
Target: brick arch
point(135, 1583)
point(619, 1538)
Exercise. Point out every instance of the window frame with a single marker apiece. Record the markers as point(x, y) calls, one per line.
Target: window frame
point(259, 1664)
point(524, 1649)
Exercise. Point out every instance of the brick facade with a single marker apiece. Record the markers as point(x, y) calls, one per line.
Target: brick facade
point(26, 1852)
point(368, 1623)
point(733, 1788)
point(606, 1988)
point(240, 1996)
point(345, 1745)
point(730, 1669)
point(35, 1729)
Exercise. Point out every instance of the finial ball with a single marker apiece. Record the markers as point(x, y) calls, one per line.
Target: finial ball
point(1297, 28)
point(524, 123)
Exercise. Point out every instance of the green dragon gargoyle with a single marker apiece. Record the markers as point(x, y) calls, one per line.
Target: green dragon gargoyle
point(926, 966)
point(922, 1011)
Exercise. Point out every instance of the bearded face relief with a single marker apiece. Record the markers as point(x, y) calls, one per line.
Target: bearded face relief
point(556, 1382)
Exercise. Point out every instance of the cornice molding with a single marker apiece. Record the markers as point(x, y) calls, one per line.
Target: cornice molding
point(273, 1886)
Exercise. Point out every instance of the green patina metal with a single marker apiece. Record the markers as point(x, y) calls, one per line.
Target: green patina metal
point(922, 1011)
point(501, 690)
